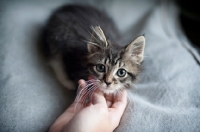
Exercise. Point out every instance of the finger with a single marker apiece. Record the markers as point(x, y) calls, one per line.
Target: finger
point(79, 101)
point(120, 101)
point(89, 104)
point(91, 77)
point(82, 84)
point(98, 98)
point(121, 96)
point(117, 109)
point(109, 99)
point(109, 104)
point(81, 81)
point(82, 91)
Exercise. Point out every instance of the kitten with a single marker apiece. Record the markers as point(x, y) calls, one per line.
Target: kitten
point(73, 58)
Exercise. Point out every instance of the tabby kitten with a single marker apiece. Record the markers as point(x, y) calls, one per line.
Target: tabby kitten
point(81, 41)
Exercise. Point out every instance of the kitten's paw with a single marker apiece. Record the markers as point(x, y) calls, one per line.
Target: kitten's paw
point(61, 75)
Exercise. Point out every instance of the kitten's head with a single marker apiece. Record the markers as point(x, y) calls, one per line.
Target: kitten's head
point(115, 67)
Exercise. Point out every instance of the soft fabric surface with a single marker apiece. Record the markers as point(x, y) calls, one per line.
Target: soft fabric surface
point(166, 98)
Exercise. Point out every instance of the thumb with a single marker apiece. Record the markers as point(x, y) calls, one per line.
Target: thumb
point(98, 97)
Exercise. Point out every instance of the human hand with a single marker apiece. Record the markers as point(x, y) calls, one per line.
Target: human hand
point(101, 114)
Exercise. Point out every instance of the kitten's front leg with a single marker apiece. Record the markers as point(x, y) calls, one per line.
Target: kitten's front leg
point(61, 75)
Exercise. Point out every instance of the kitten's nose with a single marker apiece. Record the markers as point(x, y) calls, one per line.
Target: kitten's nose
point(107, 83)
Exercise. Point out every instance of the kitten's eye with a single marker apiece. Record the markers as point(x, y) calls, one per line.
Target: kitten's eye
point(121, 72)
point(100, 67)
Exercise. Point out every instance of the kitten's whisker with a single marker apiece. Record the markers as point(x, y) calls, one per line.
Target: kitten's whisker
point(86, 90)
point(79, 92)
point(92, 92)
point(79, 96)
point(90, 42)
point(78, 100)
point(82, 97)
point(94, 43)
point(90, 82)
point(90, 89)
point(87, 95)
point(94, 82)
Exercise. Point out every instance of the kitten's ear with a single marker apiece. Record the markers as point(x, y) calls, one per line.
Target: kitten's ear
point(97, 40)
point(135, 49)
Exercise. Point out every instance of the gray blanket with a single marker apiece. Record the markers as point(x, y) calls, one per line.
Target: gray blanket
point(166, 98)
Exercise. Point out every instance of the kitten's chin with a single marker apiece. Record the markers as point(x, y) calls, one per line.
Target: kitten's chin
point(108, 89)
